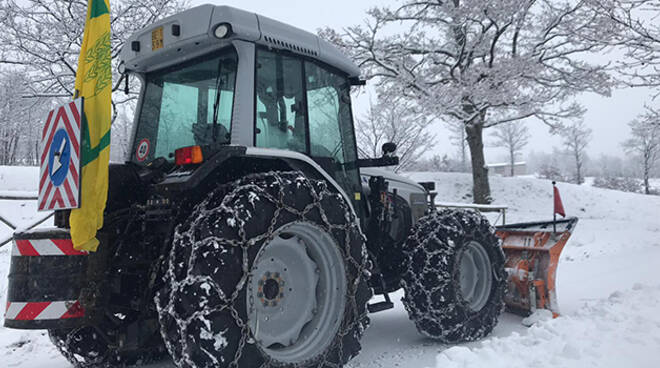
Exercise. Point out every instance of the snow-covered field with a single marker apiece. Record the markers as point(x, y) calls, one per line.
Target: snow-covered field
point(608, 284)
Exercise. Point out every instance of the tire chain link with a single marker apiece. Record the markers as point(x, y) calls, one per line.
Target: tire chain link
point(318, 191)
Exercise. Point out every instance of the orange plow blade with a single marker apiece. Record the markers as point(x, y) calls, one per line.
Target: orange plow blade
point(532, 254)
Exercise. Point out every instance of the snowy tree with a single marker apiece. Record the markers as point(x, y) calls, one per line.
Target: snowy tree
point(44, 36)
point(549, 165)
point(121, 132)
point(653, 114)
point(483, 63)
point(576, 136)
point(645, 144)
point(438, 163)
point(394, 119)
point(550, 171)
point(640, 39)
point(20, 120)
point(621, 183)
point(611, 166)
point(513, 137)
point(458, 138)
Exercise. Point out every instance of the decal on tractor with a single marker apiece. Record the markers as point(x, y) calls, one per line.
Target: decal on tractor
point(59, 184)
point(36, 311)
point(44, 247)
point(142, 150)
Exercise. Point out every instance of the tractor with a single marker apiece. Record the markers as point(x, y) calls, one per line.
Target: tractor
point(243, 230)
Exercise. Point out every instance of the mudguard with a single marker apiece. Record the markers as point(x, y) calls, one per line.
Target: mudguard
point(46, 277)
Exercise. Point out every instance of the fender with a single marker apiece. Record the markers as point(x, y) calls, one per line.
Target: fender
point(297, 158)
point(229, 163)
point(414, 194)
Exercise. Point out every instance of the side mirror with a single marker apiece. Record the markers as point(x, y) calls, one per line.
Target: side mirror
point(389, 148)
point(388, 159)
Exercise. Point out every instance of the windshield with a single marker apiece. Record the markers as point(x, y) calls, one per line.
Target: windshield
point(181, 106)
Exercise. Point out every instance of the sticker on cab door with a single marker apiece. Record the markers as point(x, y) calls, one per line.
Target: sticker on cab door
point(142, 150)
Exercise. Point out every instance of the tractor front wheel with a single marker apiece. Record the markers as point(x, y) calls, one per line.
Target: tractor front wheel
point(455, 281)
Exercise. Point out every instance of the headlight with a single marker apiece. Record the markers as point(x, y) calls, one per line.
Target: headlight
point(419, 205)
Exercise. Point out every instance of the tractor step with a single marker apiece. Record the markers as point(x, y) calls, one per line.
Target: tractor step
point(380, 306)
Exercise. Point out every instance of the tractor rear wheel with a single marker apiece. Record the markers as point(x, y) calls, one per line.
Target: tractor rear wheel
point(455, 281)
point(270, 270)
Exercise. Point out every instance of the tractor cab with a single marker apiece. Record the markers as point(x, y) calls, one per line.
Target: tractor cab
point(214, 76)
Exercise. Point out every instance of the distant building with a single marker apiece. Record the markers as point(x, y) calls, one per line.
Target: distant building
point(504, 169)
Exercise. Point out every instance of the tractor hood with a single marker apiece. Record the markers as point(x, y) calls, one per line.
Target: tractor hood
point(192, 33)
point(398, 181)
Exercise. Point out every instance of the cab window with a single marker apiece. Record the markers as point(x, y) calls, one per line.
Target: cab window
point(331, 135)
point(280, 114)
point(180, 103)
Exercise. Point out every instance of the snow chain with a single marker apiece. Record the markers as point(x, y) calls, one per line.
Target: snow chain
point(225, 205)
point(431, 280)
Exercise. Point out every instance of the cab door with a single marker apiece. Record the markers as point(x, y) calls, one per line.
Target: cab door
point(305, 106)
point(331, 134)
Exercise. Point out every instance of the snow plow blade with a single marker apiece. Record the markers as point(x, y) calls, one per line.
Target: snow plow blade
point(532, 252)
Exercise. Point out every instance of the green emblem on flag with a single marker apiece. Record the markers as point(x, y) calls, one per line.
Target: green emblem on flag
point(99, 60)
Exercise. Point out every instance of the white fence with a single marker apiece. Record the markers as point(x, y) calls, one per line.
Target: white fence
point(479, 207)
point(20, 196)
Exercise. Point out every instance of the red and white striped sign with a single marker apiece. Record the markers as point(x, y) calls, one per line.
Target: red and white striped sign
point(45, 247)
point(59, 183)
point(31, 311)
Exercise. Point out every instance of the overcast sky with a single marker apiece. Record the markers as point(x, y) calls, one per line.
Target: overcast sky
point(608, 117)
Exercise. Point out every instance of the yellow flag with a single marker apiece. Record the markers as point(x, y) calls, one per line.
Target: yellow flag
point(94, 83)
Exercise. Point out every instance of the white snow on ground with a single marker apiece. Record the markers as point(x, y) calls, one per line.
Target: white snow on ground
point(622, 330)
point(18, 181)
point(608, 286)
point(19, 178)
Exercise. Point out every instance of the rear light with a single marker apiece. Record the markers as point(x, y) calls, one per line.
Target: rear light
point(188, 155)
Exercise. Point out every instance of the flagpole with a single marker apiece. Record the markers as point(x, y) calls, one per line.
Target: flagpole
point(554, 212)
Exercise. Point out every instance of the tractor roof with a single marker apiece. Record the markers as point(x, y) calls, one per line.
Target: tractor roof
point(191, 33)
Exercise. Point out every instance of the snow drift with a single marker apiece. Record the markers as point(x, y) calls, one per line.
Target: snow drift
point(622, 330)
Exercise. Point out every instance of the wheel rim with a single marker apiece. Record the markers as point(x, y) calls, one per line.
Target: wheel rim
point(476, 278)
point(296, 293)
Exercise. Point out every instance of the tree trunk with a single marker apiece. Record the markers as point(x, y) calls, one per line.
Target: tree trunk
point(464, 168)
point(480, 185)
point(578, 167)
point(512, 157)
point(646, 178)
